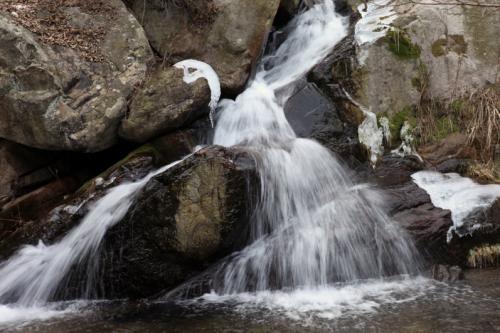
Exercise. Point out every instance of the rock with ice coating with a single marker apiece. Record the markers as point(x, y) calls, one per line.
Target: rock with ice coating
point(164, 103)
point(462, 196)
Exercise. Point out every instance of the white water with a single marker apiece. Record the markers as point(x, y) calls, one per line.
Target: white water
point(202, 71)
point(32, 276)
point(460, 195)
point(328, 302)
point(313, 226)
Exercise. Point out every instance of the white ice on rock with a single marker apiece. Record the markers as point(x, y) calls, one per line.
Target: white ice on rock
point(370, 134)
point(202, 70)
point(460, 195)
point(371, 26)
point(373, 23)
point(406, 148)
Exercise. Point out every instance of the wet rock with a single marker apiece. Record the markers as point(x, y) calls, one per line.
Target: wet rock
point(313, 115)
point(164, 103)
point(411, 207)
point(228, 35)
point(445, 273)
point(290, 7)
point(53, 97)
point(183, 220)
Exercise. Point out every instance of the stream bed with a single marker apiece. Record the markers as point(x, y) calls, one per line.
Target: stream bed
point(399, 305)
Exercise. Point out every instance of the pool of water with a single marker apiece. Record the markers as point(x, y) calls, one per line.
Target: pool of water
point(397, 305)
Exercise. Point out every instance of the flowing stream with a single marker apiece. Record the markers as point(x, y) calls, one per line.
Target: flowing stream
point(313, 230)
point(313, 225)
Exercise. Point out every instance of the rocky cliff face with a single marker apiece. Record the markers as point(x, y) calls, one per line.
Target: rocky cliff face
point(58, 97)
point(230, 39)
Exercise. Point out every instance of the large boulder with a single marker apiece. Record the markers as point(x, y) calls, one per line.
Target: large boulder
point(449, 49)
point(164, 103)
point(227, 34)
point(68, 90)
point(428, 66)
point(184, 220)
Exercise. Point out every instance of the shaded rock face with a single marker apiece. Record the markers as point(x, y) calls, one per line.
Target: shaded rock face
point(411, 207)
point(313, 115)
point(22, 168)
point(183, 220)
point(164, 103)
point(52, 98)
point(230, 40)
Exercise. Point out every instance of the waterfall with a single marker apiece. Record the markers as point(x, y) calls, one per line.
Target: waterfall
point(33, 275)
point(313, 225)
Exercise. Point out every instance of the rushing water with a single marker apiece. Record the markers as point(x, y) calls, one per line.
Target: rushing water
point(321, 252)
point(313, 225)
point(35, 273)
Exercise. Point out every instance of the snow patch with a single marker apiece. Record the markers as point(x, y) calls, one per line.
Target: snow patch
point(205, 71)
point(460, 195)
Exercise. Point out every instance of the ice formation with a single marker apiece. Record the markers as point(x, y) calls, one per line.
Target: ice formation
point(460, 195)
point(202, 70)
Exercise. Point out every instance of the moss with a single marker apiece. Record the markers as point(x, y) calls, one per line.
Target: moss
point(457, 105)
point(397, 120)
point(458, 44)
point(416, 82)
point(400, 44)
point(438, 48)
point(445, 126)
point(454, 43)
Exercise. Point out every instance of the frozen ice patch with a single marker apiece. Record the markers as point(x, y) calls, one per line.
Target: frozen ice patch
point(373, 24)
point(460, 195)
point(205, 71)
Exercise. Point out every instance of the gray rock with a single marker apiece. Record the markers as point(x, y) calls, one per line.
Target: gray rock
point(230, 38)
point(164, 103)
point(449, 274)
point(53, 98)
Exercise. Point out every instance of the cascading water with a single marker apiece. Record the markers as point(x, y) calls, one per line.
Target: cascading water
point(313, 225)
point(34, 274)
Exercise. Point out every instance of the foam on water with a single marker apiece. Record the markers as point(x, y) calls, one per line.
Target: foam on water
point(461, 195)
point(322, 302)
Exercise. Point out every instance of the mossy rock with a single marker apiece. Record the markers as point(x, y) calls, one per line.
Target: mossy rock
point(400, 44)
point(397, 120)
point(438, 48)
point(454, 43)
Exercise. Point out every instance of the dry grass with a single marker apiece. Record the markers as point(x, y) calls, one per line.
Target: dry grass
point(48, 20)
point(483, 127)
point(476, 114)
point(484, 256)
